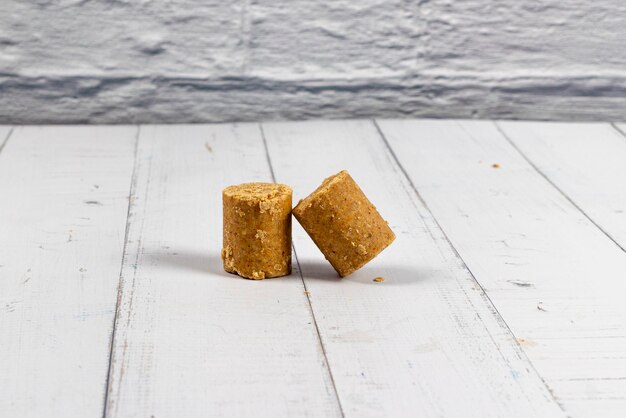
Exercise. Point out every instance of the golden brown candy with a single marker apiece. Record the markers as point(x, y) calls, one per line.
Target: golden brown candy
point(343, 223)
point(257, 230)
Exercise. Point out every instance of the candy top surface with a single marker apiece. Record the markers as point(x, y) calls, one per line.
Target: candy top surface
point(257, 191)
point(323, 188)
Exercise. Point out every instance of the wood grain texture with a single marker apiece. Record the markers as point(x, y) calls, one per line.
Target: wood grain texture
point(426, 341)
point(189, 61)
point(555, 278)
point(587, 162)
point(63, 214)
point(191, 340)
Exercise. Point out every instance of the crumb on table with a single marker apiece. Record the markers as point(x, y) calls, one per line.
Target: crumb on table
point(495, 165)
point(379, 279)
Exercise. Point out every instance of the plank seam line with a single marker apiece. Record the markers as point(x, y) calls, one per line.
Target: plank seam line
point(131, 191)
point(428, 221)
point(542, 174)
point(618, 129)
point(306, 290)
point(499, 317)
point(6, 138)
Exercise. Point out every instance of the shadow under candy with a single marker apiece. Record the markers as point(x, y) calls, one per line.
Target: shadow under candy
point(311, 269)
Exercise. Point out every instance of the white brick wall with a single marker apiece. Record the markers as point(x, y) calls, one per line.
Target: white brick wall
point(215, 60)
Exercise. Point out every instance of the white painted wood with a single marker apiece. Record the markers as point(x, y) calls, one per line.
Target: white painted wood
point(62, 220)
point(555, 278)
point(190, 339)
point(586, 161)
point(426, 341)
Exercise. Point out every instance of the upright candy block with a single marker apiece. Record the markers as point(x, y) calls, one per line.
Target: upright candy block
point(257, 230)
point(343, 223)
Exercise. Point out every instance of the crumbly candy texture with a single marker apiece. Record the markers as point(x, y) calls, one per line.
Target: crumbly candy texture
point(257, 230)
point(343, 223)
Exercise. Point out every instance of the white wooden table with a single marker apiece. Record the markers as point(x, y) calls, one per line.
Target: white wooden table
point(505, 291)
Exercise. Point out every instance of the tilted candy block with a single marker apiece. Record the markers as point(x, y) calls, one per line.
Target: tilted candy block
point(343, 223)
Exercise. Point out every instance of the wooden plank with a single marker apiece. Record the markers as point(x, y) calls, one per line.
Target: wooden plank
point(586, 161)
point(426, 342)
point(63, 210)
point(190, 339)
point(555, 278)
